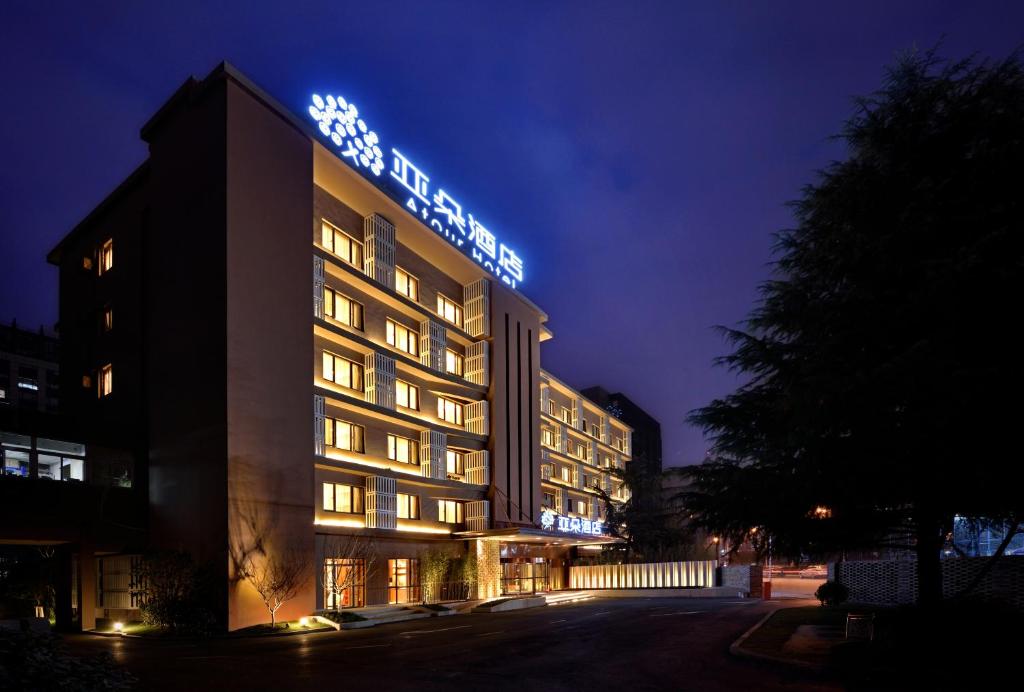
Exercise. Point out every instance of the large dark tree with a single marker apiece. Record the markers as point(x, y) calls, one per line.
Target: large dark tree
point(883, 377)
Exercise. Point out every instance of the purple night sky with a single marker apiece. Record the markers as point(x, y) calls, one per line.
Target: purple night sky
point(638, 154)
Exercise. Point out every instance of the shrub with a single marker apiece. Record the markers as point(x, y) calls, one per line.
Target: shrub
point(832, 593)
point(176, 594)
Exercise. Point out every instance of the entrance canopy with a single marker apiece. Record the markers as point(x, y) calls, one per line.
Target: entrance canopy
point(537, 536)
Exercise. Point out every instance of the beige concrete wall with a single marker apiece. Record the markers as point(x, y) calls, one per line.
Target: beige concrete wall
point(269, 308)
point(515, 409)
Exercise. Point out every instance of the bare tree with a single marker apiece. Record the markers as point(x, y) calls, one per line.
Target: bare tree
point(342, 555)
point(277, 576)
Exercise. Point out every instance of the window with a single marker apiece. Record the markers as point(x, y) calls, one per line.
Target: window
point(106, 380)
point(343, 498)
point(342, 245)
point(449, 411)
point(547, 437)
point(454, 364)
point(403, 449)
point(568, 504)
point(449, 310)
point(106, 257)
point(343, 371)
point(403, 580)
point(343, 309)
point(577, 449)
point(449, 511)
point(566, 416)
point(581, 507)
point(108, 318)
point(408, 506)
point(344, 583)
point(343, 435)
point(549, 500)
point(407, 284)
point(567, 474)
point(456, 462)
point(403, 338)
point(551, 407)
point(407, 395)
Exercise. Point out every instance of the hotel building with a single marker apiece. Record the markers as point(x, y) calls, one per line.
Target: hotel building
point(302, 361)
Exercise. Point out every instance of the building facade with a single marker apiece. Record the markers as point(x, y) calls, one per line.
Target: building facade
point(305, 365)
point(646, 428)
point(28, 369)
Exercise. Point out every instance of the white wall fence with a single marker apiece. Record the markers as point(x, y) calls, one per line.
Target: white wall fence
point(648, 575)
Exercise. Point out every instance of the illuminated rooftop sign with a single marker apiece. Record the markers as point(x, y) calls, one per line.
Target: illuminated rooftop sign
point(556, 522)
point(360, 147)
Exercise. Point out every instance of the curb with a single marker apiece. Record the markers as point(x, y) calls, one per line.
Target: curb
point(736, 649)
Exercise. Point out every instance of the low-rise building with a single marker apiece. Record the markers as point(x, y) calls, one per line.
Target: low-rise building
point(312, 347)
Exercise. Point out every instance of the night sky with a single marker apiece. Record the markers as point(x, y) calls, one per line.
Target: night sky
point(638, 154)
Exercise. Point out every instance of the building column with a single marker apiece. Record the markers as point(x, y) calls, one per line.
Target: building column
point(488, 569)
point(86, 587)
point(63, 586)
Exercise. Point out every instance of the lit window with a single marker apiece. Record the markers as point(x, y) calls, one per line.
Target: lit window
point(343, 435)
point(449, 310)
point(343, 498)
point(566, 415)
point(547, 437)
point(106, 256)
point(549, 500)
point(454, 364)
point(407, 284)
point(106, 380)
point(343, 309)
point(403, 449)
point(342, 245)
point(403, 338)
point(449, 511)
point(407, 395)
point(581, 507)
point(343, 371)
point(566, 474)
point(408, 506)
point(449, 411)
point(551, 407)
point(456, 462)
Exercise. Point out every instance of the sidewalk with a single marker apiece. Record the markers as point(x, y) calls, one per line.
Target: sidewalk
point(798, 635)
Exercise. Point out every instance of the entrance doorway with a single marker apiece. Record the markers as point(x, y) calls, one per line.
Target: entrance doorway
point(525, 575)
point(404, 580)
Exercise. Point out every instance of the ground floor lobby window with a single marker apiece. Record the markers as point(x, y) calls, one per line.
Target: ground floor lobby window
point(344, 583)
point(403, 580)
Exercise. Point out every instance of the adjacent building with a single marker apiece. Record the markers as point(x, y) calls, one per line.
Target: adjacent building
point(310, 346)
point(28, 369)
point(646, 428)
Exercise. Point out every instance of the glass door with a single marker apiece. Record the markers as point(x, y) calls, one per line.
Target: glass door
point(403, 580)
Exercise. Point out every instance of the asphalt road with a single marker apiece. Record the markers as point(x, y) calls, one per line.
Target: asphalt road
point(628, 644)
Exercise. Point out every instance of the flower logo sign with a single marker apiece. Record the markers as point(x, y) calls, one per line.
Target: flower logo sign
point(340, 121)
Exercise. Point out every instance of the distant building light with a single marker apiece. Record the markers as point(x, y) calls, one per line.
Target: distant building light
point(28, 385)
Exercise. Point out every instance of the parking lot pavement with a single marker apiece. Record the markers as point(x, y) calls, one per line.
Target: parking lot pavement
point(639, 644)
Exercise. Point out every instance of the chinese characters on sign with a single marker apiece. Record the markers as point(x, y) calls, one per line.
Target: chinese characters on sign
point(556, 522)
point(339, 121)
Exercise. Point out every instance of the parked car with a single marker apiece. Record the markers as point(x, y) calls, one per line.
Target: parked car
point(814, 572)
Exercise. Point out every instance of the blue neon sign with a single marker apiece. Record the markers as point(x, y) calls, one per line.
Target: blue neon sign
point(339, 122)
point(556, 522)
